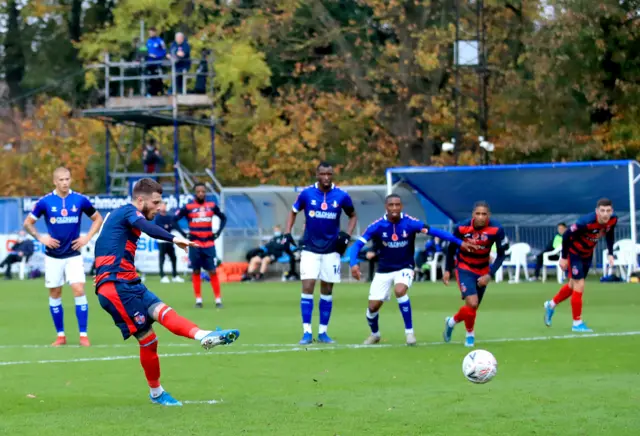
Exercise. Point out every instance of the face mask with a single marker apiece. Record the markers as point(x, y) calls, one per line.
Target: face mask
point(276, 234)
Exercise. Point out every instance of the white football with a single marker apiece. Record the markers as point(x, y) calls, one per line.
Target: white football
point(479, 366)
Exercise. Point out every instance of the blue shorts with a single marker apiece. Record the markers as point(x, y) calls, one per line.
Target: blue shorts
point(468, 284)
point(202, 258)
point(578, 266)
point(128, 304)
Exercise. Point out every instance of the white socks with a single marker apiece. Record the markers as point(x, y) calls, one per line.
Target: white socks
point(200, 334)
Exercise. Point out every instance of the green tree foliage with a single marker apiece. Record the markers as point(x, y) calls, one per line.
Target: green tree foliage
point(364, 83)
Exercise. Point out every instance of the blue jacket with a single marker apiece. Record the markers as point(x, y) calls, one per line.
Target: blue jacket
point(185, 62)
point(25, 246)
point(156, 49)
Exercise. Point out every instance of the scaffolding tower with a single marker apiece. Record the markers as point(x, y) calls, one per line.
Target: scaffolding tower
point(130, 103)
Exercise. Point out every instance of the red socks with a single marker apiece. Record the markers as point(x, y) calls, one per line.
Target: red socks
point(195, 278)
point(176, 324)
point(576, 305)
point(468, 315)
point(150, 361)
point(215, 284)
point(197, 286)
point(563, 294)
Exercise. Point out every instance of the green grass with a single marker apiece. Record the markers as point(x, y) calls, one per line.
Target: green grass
point(549, 386)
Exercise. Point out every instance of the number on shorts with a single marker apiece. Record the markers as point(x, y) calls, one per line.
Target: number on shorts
point(336, 269)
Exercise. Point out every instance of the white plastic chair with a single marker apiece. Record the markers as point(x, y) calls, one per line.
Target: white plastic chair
point(625, 254)
point(437, 261)
point(23, 269)
point(517, 258)
point(547, 262)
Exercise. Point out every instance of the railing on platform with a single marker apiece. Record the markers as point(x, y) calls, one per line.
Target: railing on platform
point(144, 71)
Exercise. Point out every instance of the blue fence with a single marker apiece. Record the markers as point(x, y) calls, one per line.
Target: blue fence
point(242, 230)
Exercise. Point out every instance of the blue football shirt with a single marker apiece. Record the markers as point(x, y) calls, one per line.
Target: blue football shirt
point(396, 241)
point(322, 211)
point(63, 218)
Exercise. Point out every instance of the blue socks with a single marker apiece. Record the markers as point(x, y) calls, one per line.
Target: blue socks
point(372, 320)
point(405, 309)
point(326, 304)
point(306, 309)
point(55, 307)
point(82, 313)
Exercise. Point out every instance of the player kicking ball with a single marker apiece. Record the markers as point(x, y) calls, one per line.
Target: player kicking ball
point(578, 244)
point(395, 234)
point(132, 306)
point(472, 269)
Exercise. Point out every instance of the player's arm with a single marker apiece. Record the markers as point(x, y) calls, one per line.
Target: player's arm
point(446, 236)
point(357, 246)
point(300, 204)
point(502, 245)
point(223, 221)
point(452, 250)
point(350, 211)
point(610, 239)
point(96, 224)
point(180, 213)
point(30, 226)
point(569, 234)
point(157, 232)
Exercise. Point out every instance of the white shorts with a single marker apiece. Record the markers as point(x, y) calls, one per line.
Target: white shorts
point(314, 266)
point(57, 271)
point(383, 283)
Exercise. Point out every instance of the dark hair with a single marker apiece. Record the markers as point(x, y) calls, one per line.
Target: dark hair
point(390, 196)
point(146, 187)
point(604, 202)
point(199, 184)
point(151, 141)
point(324, 164)
point(563, 224)
point(481, 203)
point(152, 29)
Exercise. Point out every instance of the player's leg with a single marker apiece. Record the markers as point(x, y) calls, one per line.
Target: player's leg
point(402, 282)
point(161, 256)
point(139, 326)
point(264, 265)
point(210, 266)
point(150, 362)
point(171, 252)
point(329, 275)
point(576, 298)
point(574, 270)
point(310, 264)
point(74, 272)
point(196, 280)
point(254, 265)
point(378, 294)
point(53, 280)
point(467, 282)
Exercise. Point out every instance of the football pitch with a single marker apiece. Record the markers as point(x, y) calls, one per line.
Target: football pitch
point(549, 381)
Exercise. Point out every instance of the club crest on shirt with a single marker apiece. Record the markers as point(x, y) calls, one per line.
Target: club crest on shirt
point(139, 318)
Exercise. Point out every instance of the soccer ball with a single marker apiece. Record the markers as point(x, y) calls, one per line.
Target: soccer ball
point(479, 366)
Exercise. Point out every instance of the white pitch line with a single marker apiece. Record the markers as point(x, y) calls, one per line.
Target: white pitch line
point(202, 402)
point(498, 340)
point(299, 348)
